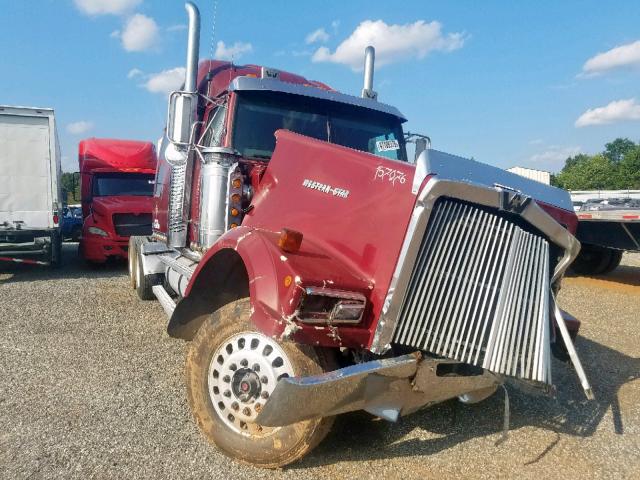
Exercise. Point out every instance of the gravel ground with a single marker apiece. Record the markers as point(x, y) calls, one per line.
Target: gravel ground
point(91, 387)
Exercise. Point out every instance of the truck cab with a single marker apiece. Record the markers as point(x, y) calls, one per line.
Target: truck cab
point(117, 178)
point(316, 271)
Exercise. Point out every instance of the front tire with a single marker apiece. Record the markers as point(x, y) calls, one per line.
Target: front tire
point(231, 370)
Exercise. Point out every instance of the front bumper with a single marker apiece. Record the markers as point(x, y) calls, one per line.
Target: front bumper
point(388, 388)
point(99, 249)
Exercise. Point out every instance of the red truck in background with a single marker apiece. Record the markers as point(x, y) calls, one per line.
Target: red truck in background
point(317, 270)
point(117, 178)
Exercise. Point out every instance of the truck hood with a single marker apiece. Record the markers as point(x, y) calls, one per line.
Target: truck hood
point(453, 167)
point(126, 204)
point(355, 207)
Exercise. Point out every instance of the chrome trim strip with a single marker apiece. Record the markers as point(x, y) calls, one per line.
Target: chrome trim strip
point(453, 167)
point(473, 193)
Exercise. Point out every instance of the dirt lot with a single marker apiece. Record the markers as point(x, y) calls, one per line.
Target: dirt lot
point(91, 387)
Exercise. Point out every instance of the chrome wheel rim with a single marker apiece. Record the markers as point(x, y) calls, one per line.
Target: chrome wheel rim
point(242, 375)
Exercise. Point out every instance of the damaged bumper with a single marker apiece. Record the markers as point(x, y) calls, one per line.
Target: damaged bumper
point(388, 388)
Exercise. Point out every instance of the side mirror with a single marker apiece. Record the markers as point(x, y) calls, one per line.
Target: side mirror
point(182, 107)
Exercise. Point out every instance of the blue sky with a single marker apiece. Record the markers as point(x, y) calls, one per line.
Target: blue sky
point(509, 83)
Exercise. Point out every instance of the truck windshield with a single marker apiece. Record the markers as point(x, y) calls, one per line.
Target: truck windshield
point(260, 114)
point(114, 184)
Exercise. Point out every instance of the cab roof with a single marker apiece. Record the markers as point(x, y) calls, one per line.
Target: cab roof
point(112, 155)
point(225, 77)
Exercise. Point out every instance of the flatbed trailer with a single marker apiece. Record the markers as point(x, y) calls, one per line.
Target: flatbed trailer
point(605, 235)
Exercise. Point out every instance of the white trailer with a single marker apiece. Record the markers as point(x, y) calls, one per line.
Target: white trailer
point(30, 191)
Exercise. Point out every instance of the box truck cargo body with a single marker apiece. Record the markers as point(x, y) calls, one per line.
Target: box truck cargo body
point(30, 194)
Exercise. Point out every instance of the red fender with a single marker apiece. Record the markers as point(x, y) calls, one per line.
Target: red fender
point(276, 284)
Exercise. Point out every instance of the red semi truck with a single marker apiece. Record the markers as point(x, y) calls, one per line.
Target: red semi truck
point(116, 190)
point(317, 271)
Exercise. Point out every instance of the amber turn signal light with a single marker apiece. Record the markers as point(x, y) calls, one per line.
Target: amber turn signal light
point(236, 183)
point(290, 240)
point(234, 212)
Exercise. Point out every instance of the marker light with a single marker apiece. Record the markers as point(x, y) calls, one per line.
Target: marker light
point(234, 212)
point(290, 240)
point(236, 183)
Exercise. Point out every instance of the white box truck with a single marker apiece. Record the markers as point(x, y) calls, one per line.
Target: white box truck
point(30, 191)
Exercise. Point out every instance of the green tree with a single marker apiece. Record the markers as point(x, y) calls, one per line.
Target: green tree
point(628, 174)
point(70, 184)
point(617, 167)
point(616, 150)
point(594, 172)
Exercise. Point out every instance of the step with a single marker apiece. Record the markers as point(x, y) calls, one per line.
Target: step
point(165, 299)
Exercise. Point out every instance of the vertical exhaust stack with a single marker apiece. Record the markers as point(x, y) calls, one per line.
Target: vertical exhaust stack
point(186, 105)
point(369, 65)
point(193, 47)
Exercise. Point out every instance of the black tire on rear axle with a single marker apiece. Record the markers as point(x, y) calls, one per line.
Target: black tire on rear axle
point(592, 260)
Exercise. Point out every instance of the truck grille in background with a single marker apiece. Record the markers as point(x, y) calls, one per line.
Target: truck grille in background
point(479, 293)
point(127, 224)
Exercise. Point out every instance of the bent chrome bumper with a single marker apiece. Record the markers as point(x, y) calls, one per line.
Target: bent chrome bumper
point(387, 388)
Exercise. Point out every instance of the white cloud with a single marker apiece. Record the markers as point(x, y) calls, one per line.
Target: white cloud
point(134, 72)
point(78, 128)
point(177, 28)
point(106, 7)
point(234, 51)
point(393, 43)
point(616, 111)
point(619, 57)
point(115, 34)
point(553, 158)
point(166, 81)
point(140, 33)
point(320, 35)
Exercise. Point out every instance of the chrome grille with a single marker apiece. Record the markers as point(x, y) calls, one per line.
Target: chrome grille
point(479, 293)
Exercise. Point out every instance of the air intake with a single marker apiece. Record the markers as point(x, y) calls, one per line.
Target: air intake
point(479, 293)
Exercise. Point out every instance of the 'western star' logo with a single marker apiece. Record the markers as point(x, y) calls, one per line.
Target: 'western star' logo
point(512, 201)
point(324, 188)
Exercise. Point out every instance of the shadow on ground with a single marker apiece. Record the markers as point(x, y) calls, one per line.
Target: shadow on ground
point(72, 267)
point(359, 436)
point(623, 275)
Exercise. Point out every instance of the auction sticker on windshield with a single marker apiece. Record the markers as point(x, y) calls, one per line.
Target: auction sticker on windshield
point(387, 145)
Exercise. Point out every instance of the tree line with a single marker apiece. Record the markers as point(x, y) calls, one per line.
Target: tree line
point(70, 184)
point(615, 168)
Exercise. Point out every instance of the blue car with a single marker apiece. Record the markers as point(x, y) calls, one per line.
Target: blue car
point(71, 223)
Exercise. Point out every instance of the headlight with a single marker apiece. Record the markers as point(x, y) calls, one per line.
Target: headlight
point(98, 231)
point(323, 305)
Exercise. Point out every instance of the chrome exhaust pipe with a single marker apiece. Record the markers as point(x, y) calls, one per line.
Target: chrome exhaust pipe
point(193, 47)
point(369, 63)
point(181, 168)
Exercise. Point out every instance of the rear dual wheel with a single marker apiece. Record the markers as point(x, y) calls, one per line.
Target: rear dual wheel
point(595, 260)
point(231, 372)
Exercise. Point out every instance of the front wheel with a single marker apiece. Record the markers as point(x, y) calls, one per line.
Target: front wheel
point(231, 371)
